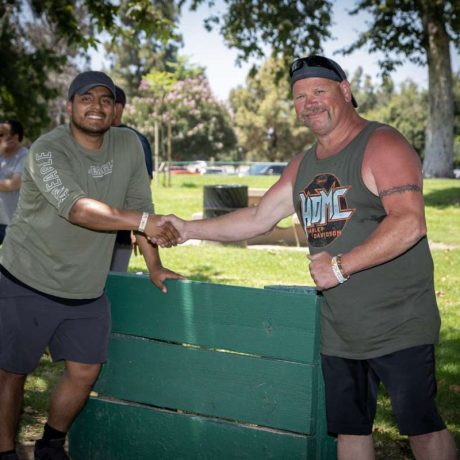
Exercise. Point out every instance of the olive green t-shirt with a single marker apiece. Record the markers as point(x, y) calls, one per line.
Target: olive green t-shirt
point(380, 310)
point(42, 248)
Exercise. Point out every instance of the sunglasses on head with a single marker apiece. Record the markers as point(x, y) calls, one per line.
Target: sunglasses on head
point(313, 61)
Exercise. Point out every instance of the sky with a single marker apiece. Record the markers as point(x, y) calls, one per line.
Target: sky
point(208, 50)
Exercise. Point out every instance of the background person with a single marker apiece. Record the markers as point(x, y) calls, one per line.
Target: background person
point(12, 156)
point(358, 194)
point(125, 240)
point(79, 187)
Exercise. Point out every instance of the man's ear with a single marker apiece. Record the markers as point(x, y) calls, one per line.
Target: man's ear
point(68, 106)
point(346, 90)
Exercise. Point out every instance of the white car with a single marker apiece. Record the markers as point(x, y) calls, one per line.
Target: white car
point(197, 167)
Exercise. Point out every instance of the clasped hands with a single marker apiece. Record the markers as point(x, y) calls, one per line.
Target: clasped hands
point(170, 230)
point(165, 231)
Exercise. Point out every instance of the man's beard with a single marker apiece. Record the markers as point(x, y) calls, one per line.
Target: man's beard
point(90, 130)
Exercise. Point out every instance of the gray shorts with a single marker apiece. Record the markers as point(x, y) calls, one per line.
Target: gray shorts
point(74, 330)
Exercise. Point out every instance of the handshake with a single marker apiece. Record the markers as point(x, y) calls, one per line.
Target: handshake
point(165, 231)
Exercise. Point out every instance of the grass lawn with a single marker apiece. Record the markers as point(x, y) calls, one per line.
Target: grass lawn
point(257, 268)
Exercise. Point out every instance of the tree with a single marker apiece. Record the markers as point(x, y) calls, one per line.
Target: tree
point(135, 53)
point(38, 39)
point(457, 120)
point(369, 94)
point(292, 28)
point(182, 100)
point(421, 31)
point(406, 110)
point(404, 107)
point(265, 121)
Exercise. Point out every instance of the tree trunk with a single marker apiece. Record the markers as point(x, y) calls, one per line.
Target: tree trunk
point(438, 161)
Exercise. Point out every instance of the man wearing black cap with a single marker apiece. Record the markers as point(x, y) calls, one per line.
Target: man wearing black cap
point(79, 187)
point(124, 242)
point(358, 193)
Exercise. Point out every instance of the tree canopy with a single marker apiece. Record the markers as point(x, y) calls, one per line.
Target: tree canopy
point(418, 30)
point(181, 100)
point(264, 117)
point(39, 38)
point(41, 43)
point(421, 31)
point(280, 28)
point(138, 50)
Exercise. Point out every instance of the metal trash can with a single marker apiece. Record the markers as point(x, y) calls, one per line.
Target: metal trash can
point(222, 199)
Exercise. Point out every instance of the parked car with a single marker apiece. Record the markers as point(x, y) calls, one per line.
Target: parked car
point(265, 169)
point(214, 170)
point(197, 167)
point(180, 170)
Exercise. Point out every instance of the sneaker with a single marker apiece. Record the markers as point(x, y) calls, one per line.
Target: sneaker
point(53, 451)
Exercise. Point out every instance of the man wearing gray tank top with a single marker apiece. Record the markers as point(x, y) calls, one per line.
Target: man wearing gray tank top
point(358, 193)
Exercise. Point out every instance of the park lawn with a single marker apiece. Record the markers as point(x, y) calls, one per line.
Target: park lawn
point(257, 268)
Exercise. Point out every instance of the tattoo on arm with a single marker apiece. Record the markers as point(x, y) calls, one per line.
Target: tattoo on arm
point(400, 189)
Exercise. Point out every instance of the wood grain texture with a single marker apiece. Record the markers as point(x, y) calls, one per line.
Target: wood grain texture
point(128, 432)
point(265, 392)
point(271, 323)
point(207, 372)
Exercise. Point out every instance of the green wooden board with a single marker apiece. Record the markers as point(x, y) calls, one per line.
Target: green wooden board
point(207, 372)
point(267, 392)
point(270, 323)
point(117, 431)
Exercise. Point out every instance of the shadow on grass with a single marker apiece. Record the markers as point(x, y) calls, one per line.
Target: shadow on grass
point(190, 185)
point(443, 198)
point(205, 273)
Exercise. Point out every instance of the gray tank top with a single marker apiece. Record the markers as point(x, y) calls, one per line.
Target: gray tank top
point(380, 310)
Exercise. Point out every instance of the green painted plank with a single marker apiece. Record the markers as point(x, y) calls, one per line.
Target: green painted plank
point(107, 430)
point(270, 323)
point(262, 391)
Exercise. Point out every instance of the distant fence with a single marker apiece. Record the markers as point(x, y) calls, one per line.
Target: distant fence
point(221, 167)
point(207, 371)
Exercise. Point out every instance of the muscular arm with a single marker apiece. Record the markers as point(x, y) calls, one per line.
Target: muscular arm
point(12, 184)
point(247, 222)
point(391, 170)
point(97, 215)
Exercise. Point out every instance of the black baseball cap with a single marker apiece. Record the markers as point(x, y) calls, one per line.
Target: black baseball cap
point(120, 96)
point(319, 67)
point(84, 81)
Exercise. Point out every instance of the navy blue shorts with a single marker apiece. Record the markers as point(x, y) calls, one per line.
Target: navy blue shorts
point(409, 377)
point(73, 330)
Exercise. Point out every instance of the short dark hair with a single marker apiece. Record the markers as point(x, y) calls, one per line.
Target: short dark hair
point(120, 96)
point(15, 128)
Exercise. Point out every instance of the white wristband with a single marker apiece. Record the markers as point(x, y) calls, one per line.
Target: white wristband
point(143, 222)
point(337, 271)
